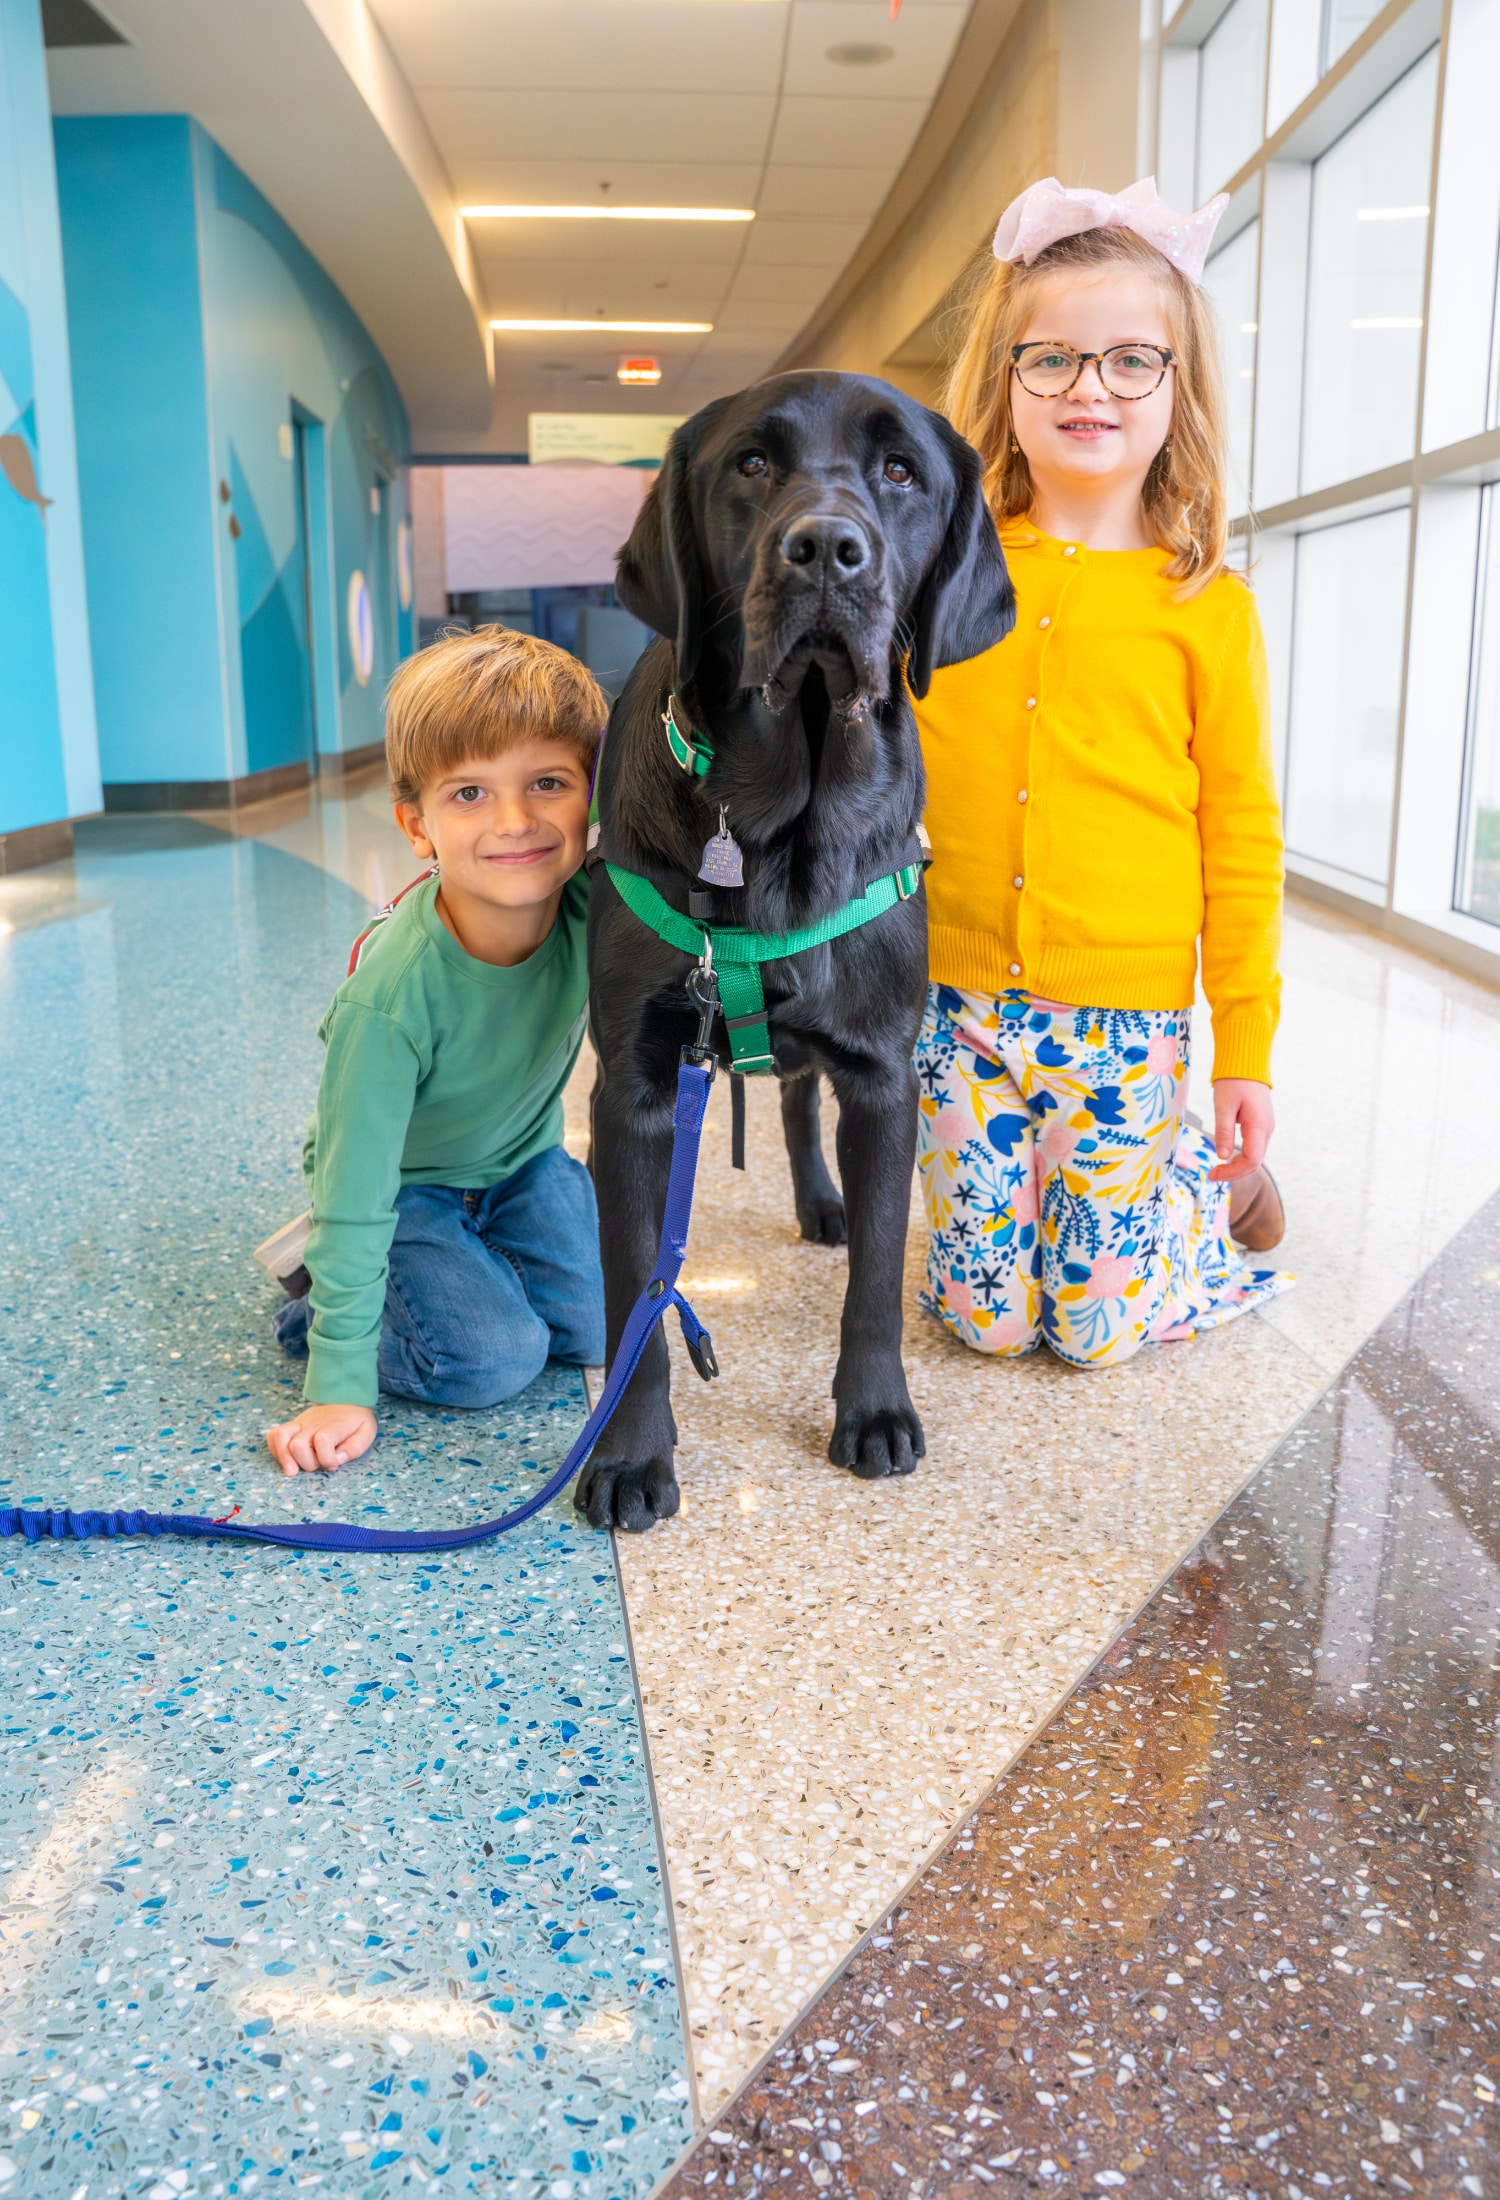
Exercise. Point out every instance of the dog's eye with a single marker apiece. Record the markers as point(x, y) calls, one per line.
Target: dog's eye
point(755, 463)
point(897, 470)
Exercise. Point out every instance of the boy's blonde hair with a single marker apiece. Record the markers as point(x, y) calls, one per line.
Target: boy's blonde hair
point(1184, 496)
point(477, 695)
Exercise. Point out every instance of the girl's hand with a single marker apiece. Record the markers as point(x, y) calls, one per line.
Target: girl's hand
point(321, 1437)
point(1240, 1103)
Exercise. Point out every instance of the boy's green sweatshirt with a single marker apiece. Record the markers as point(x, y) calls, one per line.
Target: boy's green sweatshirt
point(439, 1070)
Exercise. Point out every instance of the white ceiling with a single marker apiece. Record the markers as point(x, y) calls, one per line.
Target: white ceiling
point(370, 123)
point(663, 102)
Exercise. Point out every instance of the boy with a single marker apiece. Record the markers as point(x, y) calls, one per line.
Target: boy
point(454, 1244)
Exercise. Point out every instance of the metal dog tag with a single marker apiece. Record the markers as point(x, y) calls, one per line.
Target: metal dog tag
point(723, 859)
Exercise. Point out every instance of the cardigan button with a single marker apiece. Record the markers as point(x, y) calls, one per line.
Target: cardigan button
point(1031, 702)
point(1018, 882)
point(1021, 797)
point(1015, 970)
point(1069, 549)
point(1044, 622)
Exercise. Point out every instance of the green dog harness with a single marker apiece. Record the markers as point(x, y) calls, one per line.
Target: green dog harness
point(735, 954)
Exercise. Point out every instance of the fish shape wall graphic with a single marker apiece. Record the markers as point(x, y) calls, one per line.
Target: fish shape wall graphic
point(19, 468)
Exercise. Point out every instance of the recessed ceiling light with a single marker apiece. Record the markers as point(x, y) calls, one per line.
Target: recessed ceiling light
point(618, 213)
point(858, 55)
point(616, 328)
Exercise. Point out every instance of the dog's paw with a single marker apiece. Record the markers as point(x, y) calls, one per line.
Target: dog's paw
point(822, 1221)
point(612, 1493)
point(876, 1442)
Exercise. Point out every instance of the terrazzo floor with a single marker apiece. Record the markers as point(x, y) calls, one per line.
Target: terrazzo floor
point(318, 1870)
point(1232, 1925)
point(832, 1675)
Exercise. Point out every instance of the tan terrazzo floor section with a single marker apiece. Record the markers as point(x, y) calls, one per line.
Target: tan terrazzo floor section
point(833, 1672)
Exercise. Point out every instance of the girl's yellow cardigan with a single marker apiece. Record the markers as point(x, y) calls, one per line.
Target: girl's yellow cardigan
point(1100, 795)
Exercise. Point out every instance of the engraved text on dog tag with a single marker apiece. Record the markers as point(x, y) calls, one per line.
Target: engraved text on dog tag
point(723, 861)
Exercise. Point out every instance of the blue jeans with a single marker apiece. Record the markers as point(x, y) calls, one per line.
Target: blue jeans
point(485, 1287)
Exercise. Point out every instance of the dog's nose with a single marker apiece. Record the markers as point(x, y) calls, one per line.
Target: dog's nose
point(839, 547)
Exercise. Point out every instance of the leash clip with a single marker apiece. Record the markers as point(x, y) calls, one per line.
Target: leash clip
point(703, 992)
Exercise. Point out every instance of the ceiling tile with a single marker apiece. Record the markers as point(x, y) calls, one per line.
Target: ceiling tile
point(798, 286)
point(743, 359)
point(476, 123)
point(746, 317)
point(502, 180)
point(576, 356)
point(863, 133)
point(618, 46)
point(604, 295)
point(712, 381)
point(794, 189)
point(653, 249)
point(920, 43)
point(821, 244)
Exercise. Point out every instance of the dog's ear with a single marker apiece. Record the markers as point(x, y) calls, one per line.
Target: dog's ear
point(967, 602)
point(660, 575)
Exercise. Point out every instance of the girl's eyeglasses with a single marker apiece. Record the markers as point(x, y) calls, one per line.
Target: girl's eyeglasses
point(1126, 370)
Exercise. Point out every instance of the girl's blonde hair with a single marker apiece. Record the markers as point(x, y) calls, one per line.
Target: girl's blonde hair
point(1183, 496)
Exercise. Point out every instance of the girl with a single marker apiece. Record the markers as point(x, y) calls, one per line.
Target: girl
point(1101, 804)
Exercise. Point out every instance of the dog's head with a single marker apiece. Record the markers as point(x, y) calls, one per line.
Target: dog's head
point(818, 521)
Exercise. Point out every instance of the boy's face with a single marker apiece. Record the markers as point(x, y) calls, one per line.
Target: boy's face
point(511, 829)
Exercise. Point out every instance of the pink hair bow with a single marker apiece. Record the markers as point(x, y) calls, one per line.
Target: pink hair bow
point(1049, 211)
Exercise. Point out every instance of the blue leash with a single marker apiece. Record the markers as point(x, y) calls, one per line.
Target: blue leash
point(693, 1081)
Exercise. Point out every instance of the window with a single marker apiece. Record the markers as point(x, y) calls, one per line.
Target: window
point(1492, 404)
point(1231, 93)
point(1479, 847)
point(1229, 279)
point(1346, 692)
point(1365, 277)
point(1343, 20)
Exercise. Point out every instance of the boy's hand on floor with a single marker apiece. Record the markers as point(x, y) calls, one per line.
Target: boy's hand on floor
point(321, 1438)
point(1241, 1104)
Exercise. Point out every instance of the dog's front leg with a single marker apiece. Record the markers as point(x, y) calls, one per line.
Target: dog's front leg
point(876, 1431)
point(629, 1481)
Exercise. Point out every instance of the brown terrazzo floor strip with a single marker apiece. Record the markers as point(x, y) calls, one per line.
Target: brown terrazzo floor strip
point(1231, 1926)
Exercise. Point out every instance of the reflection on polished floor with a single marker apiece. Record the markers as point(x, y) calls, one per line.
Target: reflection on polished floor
point(1232, 1924)
point(379, 1873)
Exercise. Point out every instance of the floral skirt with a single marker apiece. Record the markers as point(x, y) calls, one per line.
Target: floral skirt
point(1066, 1198)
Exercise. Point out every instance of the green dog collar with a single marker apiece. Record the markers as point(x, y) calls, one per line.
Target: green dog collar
point(693, 751)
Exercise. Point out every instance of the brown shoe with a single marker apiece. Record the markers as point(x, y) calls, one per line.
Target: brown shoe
point(1257, 1219)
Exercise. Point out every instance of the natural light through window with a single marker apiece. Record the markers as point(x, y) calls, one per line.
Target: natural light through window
point(1365, 280)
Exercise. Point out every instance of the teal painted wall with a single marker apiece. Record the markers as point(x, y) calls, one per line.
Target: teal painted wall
point(208, 340)
point(130, 242)
point(284, 346)
point(49, 765)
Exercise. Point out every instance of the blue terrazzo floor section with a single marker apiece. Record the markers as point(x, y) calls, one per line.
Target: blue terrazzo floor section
point(312, 1869)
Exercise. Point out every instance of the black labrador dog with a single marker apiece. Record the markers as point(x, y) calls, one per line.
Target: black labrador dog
point(810, 546)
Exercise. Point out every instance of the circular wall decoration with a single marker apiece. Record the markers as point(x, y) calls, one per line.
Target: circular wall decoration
point(403, 564)
point(361, 628)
